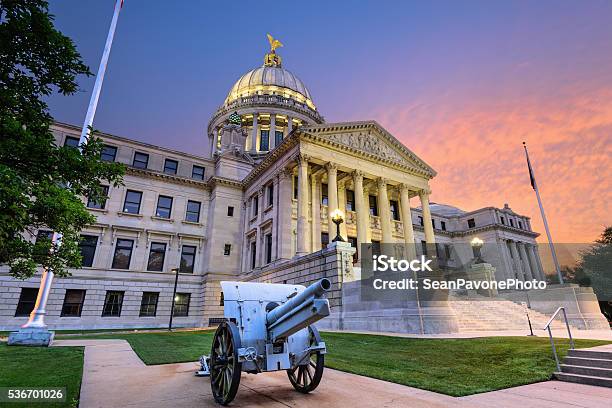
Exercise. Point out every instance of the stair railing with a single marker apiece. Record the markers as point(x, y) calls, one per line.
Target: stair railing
point(552, 342)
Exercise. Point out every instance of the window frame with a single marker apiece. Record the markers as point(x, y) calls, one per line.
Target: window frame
point(350, 200)
point(91, 204)
point(176, 303)
point(119, 304)
point(135, 160)
point(125, 201)
point(117, 248)
point(230, 210)
point(268, 247)
point(148, 304)
point(183, 253)
point(66, 304)
point(24, 304)
point(103, 153)
point(395, 210)
point(471, 223)
point(166, 168)
point(188, 211)
point(156, 252)
point(227, 249)
point(94, 238)
point(72, 140)
point(157, 208)
point(194, 174)
point(264, 135)
point(270, 194)
point(324, 194)
point(373, 209)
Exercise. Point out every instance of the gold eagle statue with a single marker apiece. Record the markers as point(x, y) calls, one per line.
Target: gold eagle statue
point(274, 44)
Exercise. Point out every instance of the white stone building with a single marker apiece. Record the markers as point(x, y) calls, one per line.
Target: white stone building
point(258, 201)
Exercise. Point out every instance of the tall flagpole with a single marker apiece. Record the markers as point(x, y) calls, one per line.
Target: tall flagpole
point(36, 320)
point(534, 184)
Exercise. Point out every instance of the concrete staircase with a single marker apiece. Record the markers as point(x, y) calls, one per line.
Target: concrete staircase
point(590, 366)
point(499, 314)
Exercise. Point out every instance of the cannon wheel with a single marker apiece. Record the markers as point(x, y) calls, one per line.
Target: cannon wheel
point(225, 369)
point(306, 378)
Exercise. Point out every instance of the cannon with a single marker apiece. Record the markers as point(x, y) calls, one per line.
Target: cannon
point(268, 327)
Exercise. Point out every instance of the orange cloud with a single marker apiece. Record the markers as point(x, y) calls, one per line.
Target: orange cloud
point(476, 149)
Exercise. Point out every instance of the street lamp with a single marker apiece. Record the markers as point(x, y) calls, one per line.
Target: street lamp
point(477, 244)
point(337, 217)
point(175, 270)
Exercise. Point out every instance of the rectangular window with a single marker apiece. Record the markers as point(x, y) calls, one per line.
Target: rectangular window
point(164, 207)
point(264, 143)
point(44, 235)
point(113, 303)
point(447, 251)
point(433, 223)
point(270, 193)
point(295, 187)
point(157, 254)
point(193, 211)
point(230, 211)
point(520, 225)
point(324, 197)
point(148, 305)
point(170, 166)
point(373, 205)
point(71, 142)
point(100, 204)
point(324, 240)
point(27, 300)
point(227, 249)
point(255, 205)
point(350, 200)
point(503, 220)
point(268, 241)
point(511, 222)
point(87, 246)
point(109, 153)
point(278, 137)
point(253, 254)
point(141, 160)
point(471, 223)
point(395, 213)
point(123, 254)
point(73, 303)
point(188, 254)
point(181, 305)
point(353, 242)
point(443, 225)
point(424, 247)
point(132, 202)
point(197, 172)
point(421, 221)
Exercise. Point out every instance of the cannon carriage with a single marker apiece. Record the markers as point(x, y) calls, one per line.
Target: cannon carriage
point(268, 327)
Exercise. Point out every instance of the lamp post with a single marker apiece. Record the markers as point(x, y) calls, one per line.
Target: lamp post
point(176, 271)
point(477, 244)
point(337, 218)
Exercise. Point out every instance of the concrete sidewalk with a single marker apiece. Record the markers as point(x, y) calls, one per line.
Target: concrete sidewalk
point(114, 376)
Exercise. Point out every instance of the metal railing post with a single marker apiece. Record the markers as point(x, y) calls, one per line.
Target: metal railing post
point(554, 349)
point(568, 329)
point(552, 342)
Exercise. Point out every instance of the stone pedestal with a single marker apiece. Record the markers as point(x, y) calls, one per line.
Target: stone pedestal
point(483, 272)
point(31, 337)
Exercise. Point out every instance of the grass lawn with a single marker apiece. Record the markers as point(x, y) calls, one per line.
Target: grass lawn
point(42, 367)
point(455, 367)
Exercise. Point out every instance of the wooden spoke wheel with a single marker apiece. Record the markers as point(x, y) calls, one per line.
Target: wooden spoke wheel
point(225, 369)
point(306, 377)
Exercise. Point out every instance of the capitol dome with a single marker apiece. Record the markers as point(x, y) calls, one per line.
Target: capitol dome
point(270, 80)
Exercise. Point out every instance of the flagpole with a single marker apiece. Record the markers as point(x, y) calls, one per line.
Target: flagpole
point(534, 184)
point(36, 320)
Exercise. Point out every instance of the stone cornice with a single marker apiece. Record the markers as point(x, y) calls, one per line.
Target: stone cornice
point(152, 174)
point(488, 227)
point(222, 181)
point(287, 143)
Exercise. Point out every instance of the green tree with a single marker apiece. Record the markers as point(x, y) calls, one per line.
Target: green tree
point(596, 262)
point(41, 184)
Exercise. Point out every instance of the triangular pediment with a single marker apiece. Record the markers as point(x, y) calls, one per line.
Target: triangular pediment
point(370, 139)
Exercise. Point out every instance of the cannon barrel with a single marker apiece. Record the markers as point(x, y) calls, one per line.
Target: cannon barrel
point(300, 311)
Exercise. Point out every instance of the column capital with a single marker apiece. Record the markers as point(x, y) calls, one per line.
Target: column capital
point(357, 175)
point(424, 192)
point(331, 167)
point(381, 182)
point(404, 188)
point(302, 159)
point(284, 174)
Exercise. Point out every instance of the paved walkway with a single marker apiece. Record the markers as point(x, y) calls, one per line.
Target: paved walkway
point(114, 376)
point(577, 334)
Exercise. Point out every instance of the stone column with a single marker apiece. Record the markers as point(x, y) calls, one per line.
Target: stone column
point(385, 211)
point(533, 263)
point(332, 197)
point(289, 125)
point(272, 141)
point(254, 134)
point(427, 225)
point(525, 262)
point(315, 209)
point(363, 214)
point(260, 253)
point(302, 207)
point(285, 229)
point(245, 241)
point(505, 259)
point(407, 222)
point(275, 217)
point(342, 206)
point(516, 261)
point(213, 145)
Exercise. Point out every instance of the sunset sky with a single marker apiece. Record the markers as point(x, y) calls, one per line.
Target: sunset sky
point(461, 83)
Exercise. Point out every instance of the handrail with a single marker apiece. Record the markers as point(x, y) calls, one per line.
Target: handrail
point(552, 342)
